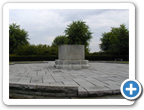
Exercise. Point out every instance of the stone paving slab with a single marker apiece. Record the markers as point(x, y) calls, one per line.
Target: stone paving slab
point(98, 80)
point(25, 79)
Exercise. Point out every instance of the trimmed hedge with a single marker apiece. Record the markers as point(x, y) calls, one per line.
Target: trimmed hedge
point(32, 58)
point(106, 58)
point(52, 58)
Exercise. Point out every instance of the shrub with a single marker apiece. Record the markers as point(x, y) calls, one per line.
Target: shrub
point(106, 58)
point(32, 58)
point(40, 49)
point(54, 57)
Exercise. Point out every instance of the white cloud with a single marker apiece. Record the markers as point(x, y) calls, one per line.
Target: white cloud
point(44, 25)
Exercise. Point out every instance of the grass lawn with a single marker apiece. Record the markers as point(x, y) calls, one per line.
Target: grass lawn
point(10, 63)
point(125, 62)
point(23, 62)
point(26, 62)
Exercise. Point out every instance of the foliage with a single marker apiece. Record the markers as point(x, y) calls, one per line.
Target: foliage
point(116, 41)
point(53, 57)
point(106, 57)
point(59, 40)
point(17, 37)
point(33, 58)
point(79, 33)
point(25, 50)
point(36, 50)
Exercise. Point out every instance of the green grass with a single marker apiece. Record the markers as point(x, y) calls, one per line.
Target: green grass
point(10, 62)
point(124, 62)
point(25, 62)
point(29, 62)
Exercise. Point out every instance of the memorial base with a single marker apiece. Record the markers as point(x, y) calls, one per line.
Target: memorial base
point(71, 64)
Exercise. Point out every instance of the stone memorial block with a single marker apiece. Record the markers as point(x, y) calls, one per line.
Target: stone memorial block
point(71, 57)
point(71, 52)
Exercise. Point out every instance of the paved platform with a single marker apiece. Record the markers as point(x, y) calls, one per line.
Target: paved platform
point(42, 79)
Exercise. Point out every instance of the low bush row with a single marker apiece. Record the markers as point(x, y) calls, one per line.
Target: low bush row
point(52, 58)
point(32, 58)
point(107, 58)
point(35, 50)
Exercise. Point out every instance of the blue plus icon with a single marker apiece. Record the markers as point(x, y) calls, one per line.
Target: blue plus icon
point(131, 89)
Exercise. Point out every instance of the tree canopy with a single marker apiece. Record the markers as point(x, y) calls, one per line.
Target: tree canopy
point(60, 40)
point(116, 41)
point(17, 37)
point(78, 33)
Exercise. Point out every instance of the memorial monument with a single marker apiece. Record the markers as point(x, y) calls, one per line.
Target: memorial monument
point(71, 57)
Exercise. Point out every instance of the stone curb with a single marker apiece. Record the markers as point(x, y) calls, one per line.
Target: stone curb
point(98, 93)
point(56, 91)
point(43, 90)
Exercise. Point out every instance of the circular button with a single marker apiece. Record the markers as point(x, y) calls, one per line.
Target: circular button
point(131, 89)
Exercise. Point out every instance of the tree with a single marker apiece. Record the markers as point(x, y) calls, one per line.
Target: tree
point(116, 41)
point(79, 33)
point(105, 41)
point(60, 40)
point(122, 39)
point(17, 37)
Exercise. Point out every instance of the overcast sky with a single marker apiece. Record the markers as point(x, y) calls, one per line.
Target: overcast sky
point(43, 25)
